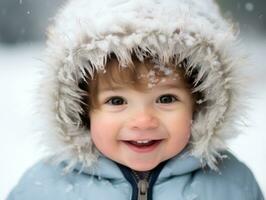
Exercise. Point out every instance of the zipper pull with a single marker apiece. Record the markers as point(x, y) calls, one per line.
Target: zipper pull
point(143, 189)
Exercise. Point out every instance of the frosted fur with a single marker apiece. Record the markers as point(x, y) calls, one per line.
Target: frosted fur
point(85, 32)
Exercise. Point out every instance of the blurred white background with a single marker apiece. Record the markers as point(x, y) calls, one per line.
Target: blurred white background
point(22, 25)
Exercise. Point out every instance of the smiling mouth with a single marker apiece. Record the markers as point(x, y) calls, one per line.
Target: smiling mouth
point(143, 145)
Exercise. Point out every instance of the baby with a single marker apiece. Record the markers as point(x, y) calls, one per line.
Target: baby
point(140, 97)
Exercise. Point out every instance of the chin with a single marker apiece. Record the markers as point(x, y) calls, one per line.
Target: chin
point(143, 167)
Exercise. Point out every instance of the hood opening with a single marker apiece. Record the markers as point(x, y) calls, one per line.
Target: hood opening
point(190, 78)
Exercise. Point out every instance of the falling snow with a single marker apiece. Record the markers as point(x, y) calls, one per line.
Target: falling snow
point(249, 6)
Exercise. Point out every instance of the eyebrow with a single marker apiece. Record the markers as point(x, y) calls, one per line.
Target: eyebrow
point(105, 89)
point(176, 84)
point(170, 85)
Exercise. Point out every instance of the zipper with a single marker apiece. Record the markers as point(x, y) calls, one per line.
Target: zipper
point(143, 190)
point(143, 185)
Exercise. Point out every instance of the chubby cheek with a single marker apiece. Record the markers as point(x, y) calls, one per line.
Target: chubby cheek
point(179, 135)
point(102, 135)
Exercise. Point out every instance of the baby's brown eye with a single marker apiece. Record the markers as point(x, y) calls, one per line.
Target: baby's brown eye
point(116, 101)
point(168, 98)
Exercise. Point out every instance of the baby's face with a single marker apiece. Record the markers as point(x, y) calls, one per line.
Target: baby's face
point(140, 129)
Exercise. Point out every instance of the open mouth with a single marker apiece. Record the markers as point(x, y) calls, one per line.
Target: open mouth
point(143, 145)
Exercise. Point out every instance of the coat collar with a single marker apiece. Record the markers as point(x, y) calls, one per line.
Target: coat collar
point(105, 168)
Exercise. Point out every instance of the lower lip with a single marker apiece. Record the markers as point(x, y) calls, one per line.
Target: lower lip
point(144, 149)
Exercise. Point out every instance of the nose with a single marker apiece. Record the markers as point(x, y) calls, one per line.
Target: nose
point(143, 120)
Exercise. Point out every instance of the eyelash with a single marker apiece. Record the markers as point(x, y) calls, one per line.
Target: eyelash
point(173, 98)
point(122, 101)
point(111, 102)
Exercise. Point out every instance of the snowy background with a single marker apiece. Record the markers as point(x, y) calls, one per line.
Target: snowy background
point(21, 58)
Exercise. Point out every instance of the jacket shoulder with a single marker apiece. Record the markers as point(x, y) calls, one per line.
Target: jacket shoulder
point(42, 181)
point(233, 180)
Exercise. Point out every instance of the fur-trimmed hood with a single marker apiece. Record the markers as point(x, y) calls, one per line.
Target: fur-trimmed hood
point(85, 32)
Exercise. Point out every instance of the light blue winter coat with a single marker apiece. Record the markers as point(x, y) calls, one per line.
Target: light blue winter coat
point(181, 178)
